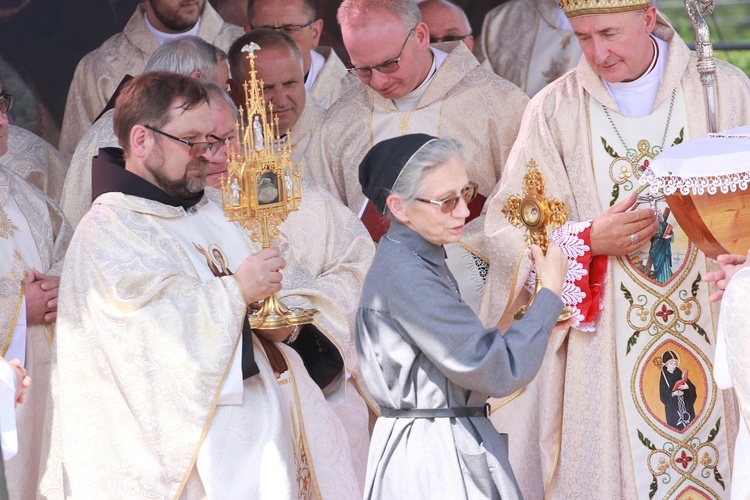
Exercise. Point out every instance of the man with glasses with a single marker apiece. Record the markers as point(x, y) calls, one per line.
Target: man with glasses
point(447, 22)
point(158, 283)
point(411, 87)
point(153, 23)
point(326, 78)
point(528, 42)
point(187, 56)
point(33, 240)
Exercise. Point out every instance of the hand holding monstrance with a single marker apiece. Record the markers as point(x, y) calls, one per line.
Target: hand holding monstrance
point(261, 188)
point(535, 212)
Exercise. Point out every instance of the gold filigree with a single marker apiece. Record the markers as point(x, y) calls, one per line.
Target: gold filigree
point(534, 211)
point(262, 186)
point(622, 168)
point(405, 124)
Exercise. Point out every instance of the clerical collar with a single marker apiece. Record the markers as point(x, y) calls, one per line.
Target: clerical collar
point(316, 64)
point(162, 38)
point(108, 175)
point(410, 100)
point(636, 98)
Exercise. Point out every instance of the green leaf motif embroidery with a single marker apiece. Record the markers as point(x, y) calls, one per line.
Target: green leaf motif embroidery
point(701, 332)
point(646, 441)
point(719, 479)
point(609, 149)
point(680, 137)
point(632, 341)
point(694, 287)
point(652, 489)
point(615, 194)
point(714, 431)
point(626, 293)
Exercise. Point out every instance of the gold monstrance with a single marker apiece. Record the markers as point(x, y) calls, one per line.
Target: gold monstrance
point(536, 213)
point(262, 187)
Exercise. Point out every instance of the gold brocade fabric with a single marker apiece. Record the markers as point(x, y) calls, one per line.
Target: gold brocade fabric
point(35, 160)
point(76, 193)
point(521, 42)
point(137, 387)
point(583, 441)
point(51, 234)
point(99, 73)
point(333, 81)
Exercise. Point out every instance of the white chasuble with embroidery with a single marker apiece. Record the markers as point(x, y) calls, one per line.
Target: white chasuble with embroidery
point(289, 410)
point(665, 341)
point(20, 256)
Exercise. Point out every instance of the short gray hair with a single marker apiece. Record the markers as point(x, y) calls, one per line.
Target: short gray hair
point(355, 13)
point(186, 55)
point(434, 154)
point(218, 95)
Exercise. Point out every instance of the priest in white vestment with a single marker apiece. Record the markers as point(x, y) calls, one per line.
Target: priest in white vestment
point(158, 376)
point(278, 65)
point(528, 42)
point(33, 239)
point(447, 22)
point(594, 423)
point(187, 56)
point(100, 72)
point(411, 87)
point(326, 78)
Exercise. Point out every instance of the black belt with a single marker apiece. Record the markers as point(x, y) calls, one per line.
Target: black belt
point(461, 412)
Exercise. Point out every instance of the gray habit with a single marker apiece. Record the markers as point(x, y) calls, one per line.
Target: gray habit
point(421, 346)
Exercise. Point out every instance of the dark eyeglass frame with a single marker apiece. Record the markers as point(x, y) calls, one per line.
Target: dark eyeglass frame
point(197, 149)
point(287, 29)
point(6, 103)
point(448, 38)
point(448, 205)
point(386, 67)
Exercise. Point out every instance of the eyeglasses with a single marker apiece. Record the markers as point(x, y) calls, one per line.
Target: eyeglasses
point(287, 29)
point(386, 68)
point(197, 149)
point(448, 205)
point(448, 38)
point(6, 102)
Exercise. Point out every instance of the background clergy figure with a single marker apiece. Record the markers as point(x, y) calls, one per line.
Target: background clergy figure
point(203, 413)
point(187, 56)
point(325, 76)
point(592, 133)
point(447, 22)
point(411, 87)
point(279, 65)
point(33, 239)
point(99, 73)
point(528, 42)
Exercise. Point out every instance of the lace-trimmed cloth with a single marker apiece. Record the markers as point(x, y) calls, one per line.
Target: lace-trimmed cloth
point(716, 163)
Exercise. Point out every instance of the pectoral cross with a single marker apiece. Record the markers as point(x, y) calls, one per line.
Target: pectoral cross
point(536, 212)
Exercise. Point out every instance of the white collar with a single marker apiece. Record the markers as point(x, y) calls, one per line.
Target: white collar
point(162, 38)
point(316, 64)
point(637, 98)
point(410, 100)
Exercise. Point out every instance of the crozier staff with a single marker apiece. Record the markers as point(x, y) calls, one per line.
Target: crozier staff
point(425, 355)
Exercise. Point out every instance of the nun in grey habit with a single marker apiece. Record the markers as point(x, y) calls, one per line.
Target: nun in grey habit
point(425, 356)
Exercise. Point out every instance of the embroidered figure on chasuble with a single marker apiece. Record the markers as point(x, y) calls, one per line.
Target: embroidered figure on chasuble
point(600, 384)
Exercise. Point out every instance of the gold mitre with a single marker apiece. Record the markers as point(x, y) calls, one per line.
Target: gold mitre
point(577, 8)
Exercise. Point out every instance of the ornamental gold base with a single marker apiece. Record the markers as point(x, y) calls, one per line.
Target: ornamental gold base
point(273, 314)
point(564, 315)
